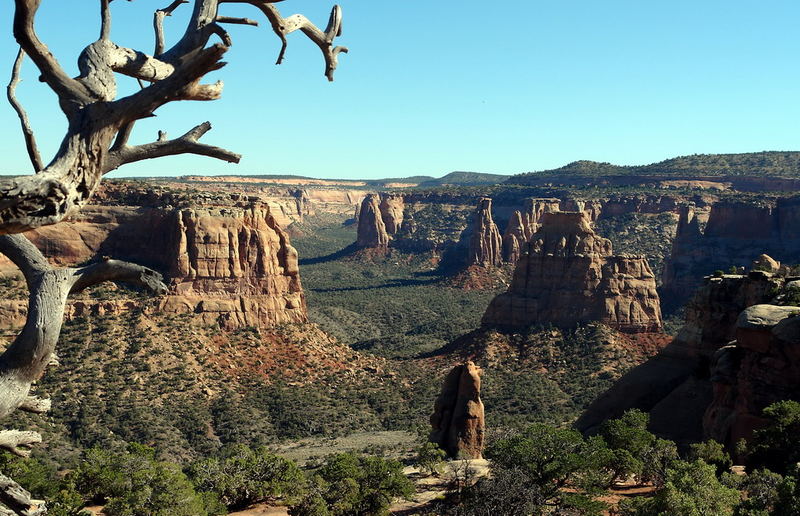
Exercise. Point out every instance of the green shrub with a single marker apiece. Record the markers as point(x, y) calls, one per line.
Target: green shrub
point(776, 447)
point(711, 452)
point(347, 484)
point(242, 476)
point(691, 489)
point(134, 483)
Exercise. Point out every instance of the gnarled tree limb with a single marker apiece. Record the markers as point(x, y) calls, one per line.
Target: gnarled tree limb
point(27, 131)
point(186, 144)
point(18, 500)
point(100, 124)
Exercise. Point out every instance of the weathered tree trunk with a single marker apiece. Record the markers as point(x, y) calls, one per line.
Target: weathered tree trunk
point(99, 127)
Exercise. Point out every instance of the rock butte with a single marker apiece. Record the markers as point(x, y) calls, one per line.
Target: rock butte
point(228, 263)
point(569, 275)
point(458, 421)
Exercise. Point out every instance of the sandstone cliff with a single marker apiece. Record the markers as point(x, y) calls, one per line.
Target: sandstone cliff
point(458, 421)
point(228, 263)
point(760, 367)
point(736, 233)
point(675, 386)
point(391, 208)
point(485, 245)
point(523, 224)
point(569, 275)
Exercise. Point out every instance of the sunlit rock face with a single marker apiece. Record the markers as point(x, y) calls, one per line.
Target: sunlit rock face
point(226, 259)
point(485, 245)
point(569, 275)
point(457, 422)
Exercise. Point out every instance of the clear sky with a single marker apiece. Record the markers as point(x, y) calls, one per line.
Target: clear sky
point(431, 87)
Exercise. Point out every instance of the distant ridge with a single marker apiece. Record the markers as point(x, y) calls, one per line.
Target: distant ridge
point(465, 179)
point(767, 163)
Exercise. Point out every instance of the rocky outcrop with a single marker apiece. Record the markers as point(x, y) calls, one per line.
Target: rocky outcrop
point(675, 386)
point(523, 224)
point(391, 208)
point(760, 367)
point(371, 228)
point(235, 268)
point(457, 421)
point(735, 235)
point(569, 275)
point(227, 263)
point(485, 245)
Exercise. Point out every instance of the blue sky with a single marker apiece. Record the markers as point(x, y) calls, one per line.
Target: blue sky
point(431, 87)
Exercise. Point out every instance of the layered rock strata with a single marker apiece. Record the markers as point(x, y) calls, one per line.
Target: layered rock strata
point(735, 235)
point(457, 421)
point(228, 263)
point(675, 386)
point(569, 275)
point(485, 245)
point(761, 367)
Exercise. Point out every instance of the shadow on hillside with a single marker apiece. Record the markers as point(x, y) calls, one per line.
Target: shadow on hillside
point(388, 284)
point(341, 253)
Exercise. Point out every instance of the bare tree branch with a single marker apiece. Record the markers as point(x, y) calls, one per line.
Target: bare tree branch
point(27, 131)
point(13, 496)
point(69, 90)
point(285, 26)
point(237, 21)
point(186, 144)
point(117, 270)
point(158, 24)
point(19, 442)
point(36, 405)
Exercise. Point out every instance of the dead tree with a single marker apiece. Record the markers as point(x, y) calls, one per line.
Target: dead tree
point(97, 141)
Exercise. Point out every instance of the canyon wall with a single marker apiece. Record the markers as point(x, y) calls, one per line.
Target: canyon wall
point(736, 233)
point(225, 258)
point(681, 389)
point(569, 275)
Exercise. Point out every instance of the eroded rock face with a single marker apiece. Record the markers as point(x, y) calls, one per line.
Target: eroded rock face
point(675, 386)
point(760, 367)
point(485, 245)
point(228, 263)
point(569, 275)
point(458, 421)
point(735, 235)
point(391, 208)
point(371, 228)
point(234, 267)
point(523, 224)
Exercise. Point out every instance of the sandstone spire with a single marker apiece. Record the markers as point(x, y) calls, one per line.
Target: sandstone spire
point(457, 421)
point(371, 229)
point(485, 245)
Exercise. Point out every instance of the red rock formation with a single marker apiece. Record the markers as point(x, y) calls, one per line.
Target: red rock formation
point(371, 228)
point(229, 264)
point(485, 245)
point(391, 208)
point(514, 238)
point(760, 367)
point(457, 421)
point(736, 234)
point(234, 267)
point(569, 276)
point(523, 225)
point(674, 386)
